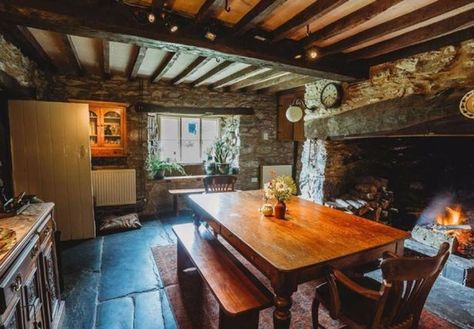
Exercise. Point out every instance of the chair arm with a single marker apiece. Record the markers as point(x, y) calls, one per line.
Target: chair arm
point(354, 286)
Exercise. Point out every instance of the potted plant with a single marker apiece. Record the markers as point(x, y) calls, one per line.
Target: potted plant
point(222, 154)
point(158, 168)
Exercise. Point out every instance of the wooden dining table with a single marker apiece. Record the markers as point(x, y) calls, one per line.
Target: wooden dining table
point(300, 247)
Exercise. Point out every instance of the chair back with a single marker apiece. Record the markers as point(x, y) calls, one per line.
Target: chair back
point(219, 183)
point(410, 280)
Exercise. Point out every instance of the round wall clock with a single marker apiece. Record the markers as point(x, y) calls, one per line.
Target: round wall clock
point(466, 106)
point(331, 95)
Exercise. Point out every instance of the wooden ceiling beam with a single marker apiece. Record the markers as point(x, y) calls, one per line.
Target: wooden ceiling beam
point(418, 16)
point(291, 84)
point(154, 108)
point(350, 21)
point(311, 13)
point(219, 68)
point(261, 10)
point(416, 36)
point(259, 78)
point(433, 44)
point(165, 65)
point(106, 59)
point(192, 68)
point(207, 10)
point(273, 82)
point(236, 77)
point(115, 22)
point(137, 61)
point(71, 53)
point(13, 34)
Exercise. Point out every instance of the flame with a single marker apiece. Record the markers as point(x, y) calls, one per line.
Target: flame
point(452, 216)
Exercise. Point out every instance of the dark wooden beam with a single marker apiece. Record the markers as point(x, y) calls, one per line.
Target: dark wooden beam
point(237, 76)
point(416, 36)
point(208, 9)
point(350, 21)
point(71, 53)
point(433, 44)
point(311, 13)
point(106, 58)
point(219, 68)
point(165, 65)
point(13, 88)
point(13, 35)
point(259, 78)
point(137, 61)
point(30, 39)
point(148, 107)
point(418, 16)
point(256, 15)
point(192, 68)
point(273, 82)
point(115, 22)
point(288, 85)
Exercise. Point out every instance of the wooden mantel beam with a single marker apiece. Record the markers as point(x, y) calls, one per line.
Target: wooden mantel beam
point(115, 22)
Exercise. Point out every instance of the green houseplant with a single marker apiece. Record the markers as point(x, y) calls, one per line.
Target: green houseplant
point(158, 168)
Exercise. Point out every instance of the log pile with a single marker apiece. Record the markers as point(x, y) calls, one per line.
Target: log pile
point(369, 198)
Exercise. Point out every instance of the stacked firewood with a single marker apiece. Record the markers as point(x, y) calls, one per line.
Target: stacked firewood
point(369, 198)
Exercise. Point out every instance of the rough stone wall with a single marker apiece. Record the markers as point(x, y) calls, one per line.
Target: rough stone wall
point(254, 150)
point(21, 68)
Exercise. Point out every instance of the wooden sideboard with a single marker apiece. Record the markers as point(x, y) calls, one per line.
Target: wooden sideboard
point(29, 279)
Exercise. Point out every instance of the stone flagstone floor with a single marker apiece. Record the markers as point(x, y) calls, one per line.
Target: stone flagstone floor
point(112, 283)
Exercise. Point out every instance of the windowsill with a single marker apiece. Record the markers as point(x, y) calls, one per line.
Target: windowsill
point(177, 178)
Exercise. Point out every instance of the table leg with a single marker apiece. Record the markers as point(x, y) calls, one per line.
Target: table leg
point(283, 291)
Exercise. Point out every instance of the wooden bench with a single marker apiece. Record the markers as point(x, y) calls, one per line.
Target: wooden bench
point(180, 192)
point(240, 295)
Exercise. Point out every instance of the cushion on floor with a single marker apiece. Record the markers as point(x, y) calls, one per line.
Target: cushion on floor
point(121, 223)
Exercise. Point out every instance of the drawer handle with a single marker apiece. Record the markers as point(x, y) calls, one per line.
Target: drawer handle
point(35, 250)
point(16, 286)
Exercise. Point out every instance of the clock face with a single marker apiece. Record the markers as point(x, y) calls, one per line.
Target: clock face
point(331, 95)
point(466, 106)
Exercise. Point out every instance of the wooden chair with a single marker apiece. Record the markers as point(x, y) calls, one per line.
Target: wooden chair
point(396, 303)
point(219, 183)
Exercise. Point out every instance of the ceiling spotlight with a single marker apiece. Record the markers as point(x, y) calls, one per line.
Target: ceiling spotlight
point(210, 35)
point(151, 17)
point(169, 23)
point(172, 27)
point(298, 56)
point(259, 37)
point(313, 53)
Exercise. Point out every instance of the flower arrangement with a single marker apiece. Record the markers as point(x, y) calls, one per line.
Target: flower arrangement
point(281, 188)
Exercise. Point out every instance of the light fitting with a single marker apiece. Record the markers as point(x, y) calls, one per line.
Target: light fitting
point(312, 53)
point(294, 112)
point(151, 17)
point(298, 56)
point(259, 37)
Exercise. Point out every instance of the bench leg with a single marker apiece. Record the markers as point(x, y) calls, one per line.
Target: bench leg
point(247, 320)
point(183, 261)
point(175, 205)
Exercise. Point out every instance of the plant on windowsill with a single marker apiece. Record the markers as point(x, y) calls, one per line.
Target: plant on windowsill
point(158, 168)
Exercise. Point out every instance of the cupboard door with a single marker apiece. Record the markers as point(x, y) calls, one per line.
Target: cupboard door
point(33, 300)
point(94, 127)
point(14, 320)
point(51, 294)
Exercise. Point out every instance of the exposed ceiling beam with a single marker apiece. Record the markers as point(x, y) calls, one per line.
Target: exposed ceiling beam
point(350, 21)
point(237, 76)
point(261, 77)
point(415, 17)
point(30, 39)
point(115, 22)
point(71, 52)
point(165, 65)
point(192, 68)
point(207, 9)
point(291, 84)
point(273, 82)
point(416, 36)
point(449, 39)
point(219, 68)
point(256, 15)
point(138, 58)
point(311, 13)
point(106, 58)
point(13, 34)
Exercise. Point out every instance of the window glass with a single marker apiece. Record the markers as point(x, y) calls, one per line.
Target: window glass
point(190, 140)
point(210, 132)
point(169, 139)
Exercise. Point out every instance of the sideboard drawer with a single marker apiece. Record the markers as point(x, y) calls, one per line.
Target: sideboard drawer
point(14, 279)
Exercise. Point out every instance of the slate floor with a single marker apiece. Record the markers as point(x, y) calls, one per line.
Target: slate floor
point(112, 283)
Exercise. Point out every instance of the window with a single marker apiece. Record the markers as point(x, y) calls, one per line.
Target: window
point(187, 139)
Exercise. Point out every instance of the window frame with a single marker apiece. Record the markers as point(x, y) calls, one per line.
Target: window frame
point(180, 133)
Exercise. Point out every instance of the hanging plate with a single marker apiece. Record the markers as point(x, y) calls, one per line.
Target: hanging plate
point(466, 106)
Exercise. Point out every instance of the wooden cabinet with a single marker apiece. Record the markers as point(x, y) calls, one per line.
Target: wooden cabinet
point(29, 286)
point(108, 132)
point(288, 131)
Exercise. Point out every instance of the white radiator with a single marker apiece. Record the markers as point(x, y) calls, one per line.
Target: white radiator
point(112, 187)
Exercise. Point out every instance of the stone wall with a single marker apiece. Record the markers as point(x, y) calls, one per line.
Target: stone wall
point(254, 151)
